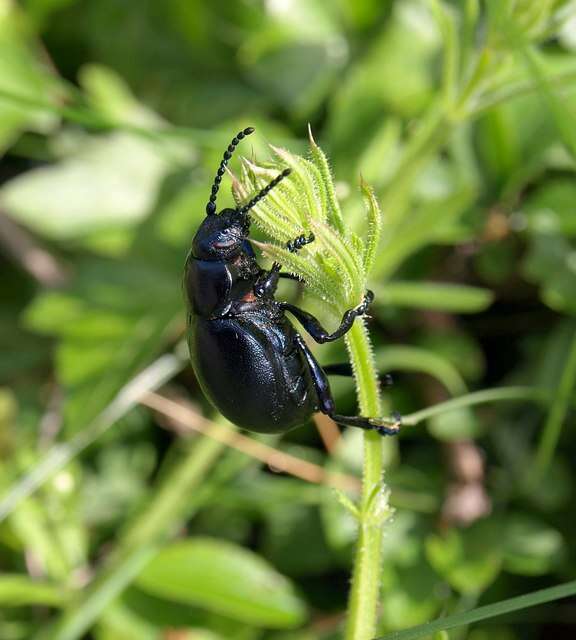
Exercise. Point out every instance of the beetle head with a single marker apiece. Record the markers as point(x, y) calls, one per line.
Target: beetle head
point(220, 237)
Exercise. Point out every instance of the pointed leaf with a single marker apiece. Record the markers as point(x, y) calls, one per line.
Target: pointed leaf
point(321, 162)
point(374, 217)
point(226, 579)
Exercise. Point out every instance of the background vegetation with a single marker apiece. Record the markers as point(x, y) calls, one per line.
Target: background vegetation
point(129, 508)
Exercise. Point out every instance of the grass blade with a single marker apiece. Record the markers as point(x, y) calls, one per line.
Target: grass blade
point(477, 397)
point(486, 612)
point(553, 426)
point(441, 296)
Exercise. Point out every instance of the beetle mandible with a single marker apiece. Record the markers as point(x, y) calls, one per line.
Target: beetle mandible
point(248, 358)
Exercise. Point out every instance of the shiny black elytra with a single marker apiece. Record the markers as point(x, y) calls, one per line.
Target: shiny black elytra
point(249, 360)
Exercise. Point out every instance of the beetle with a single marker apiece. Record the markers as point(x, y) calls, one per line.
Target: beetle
point(249, 360)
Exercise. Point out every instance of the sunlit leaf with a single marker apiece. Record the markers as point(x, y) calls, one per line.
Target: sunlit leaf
point(223, 578)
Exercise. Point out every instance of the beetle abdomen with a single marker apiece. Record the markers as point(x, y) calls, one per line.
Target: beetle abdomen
point(252, 371)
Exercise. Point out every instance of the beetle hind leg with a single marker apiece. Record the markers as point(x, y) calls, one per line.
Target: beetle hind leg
point(345, 369)
point(384, 426)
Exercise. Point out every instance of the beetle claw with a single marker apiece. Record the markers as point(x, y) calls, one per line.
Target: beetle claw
point(366, 302)
point(387, 426)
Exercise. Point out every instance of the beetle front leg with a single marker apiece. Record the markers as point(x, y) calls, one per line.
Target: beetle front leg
point(290, 276)
point(267, 283)
point(317, 331)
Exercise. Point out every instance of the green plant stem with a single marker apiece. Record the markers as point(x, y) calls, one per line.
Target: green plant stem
point(560, 404)
point(364, 594)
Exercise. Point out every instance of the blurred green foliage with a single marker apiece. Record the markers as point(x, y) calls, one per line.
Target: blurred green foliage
point(113, 117)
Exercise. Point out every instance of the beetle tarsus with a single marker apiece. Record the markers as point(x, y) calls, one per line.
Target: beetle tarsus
point(384, 426)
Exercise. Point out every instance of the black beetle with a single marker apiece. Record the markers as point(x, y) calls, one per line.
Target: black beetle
point(249, 360)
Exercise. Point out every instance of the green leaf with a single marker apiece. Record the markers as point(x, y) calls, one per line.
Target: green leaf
point(19, 590)
point(531, 547)
point(108, 182)
point(276, 55)
point(420, 228)
point(21, 73)
point(409, 358)
point(374, 230)
point(110, 95)
point(561, 115)
point(558, 410)
point(409, 593)
point(321, 162)
point(226, 579)
point(347, 503)
point(551, 264)
point(307, 177)
point(453, 298)
point(447, 24)
point(334, 264)
point(470, 559)
point(293, 541)
point(459, 348)
point(281, 210)
point(107, 328)
point(550, 208)
point(454, 425)
point(300, 265)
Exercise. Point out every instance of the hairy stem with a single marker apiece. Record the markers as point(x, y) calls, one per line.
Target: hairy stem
point(364, 595)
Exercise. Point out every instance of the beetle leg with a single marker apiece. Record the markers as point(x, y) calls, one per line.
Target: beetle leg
point(319, 378)
point(290, 276)
point(345, 369)
point(267, 283)
point(384, 426)
point(317, 331)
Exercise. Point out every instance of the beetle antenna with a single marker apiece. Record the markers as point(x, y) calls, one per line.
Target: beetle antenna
point(256, 199)
point(211, 206)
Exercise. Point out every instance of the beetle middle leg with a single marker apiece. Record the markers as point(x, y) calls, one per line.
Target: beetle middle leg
point(384, 426)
